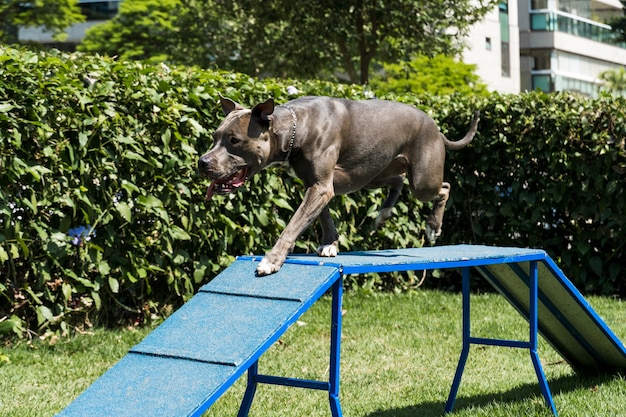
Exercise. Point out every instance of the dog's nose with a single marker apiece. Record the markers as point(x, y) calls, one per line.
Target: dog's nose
point(203, 164)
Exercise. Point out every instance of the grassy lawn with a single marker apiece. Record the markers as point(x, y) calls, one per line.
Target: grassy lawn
point(399, 355)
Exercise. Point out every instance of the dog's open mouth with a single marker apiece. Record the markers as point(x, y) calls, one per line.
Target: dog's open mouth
point(228, 184)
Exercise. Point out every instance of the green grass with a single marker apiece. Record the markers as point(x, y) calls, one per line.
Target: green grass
point(399, 355)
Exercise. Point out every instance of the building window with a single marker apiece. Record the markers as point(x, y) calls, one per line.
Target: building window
point(488, 44)
point(541, 59)
point(506, 59)
point(505, 55)
point(543, 82)
point(99, 10)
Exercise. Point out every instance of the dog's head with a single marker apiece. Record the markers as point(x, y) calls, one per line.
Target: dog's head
point(242, 146)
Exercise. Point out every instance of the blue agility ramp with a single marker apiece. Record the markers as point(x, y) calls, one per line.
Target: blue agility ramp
point(188, 362)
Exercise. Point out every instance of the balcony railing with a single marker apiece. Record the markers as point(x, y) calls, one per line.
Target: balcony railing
point(556, 21)
point(548, 81)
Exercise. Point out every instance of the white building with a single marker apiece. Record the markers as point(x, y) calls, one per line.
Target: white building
point(565, 46)
point(557, 45)
point(493, 46)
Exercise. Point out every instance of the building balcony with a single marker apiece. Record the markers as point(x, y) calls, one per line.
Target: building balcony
point(549, 80)
point(557, 21)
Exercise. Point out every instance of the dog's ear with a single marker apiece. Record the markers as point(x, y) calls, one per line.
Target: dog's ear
point(228, 105)
point(263, 111)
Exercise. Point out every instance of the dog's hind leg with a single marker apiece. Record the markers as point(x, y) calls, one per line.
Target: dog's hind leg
point(435, 219)
point(330, 237)
point(426, 183)
point(395, 188)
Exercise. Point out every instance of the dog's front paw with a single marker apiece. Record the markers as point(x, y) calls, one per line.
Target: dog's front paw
point(328, 251)
point(266, 267)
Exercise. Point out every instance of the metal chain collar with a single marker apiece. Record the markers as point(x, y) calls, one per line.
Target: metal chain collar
point(293, 133)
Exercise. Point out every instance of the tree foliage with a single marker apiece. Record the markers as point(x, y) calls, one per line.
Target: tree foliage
point(614, 81)
point(303, 39)
point(142, 30)
point(54, 15)
point(619, 25)
point(437, 75)
point(349, 35)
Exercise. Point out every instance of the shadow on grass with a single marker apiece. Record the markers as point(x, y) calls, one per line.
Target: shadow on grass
point(557, 386)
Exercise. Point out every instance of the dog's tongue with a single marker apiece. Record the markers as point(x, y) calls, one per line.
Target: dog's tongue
point(209, 190)
point(226, 185)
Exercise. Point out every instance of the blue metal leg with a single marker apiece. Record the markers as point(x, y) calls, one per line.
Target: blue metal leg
point(534, 329)
point(246, 403)
point(332, 386)
point(533, 317)
point(335, 349)
point(466, 341)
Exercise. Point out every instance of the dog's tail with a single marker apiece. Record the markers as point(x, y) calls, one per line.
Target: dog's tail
point(458, 144)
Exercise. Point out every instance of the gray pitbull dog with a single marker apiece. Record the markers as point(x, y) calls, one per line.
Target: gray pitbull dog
point(336, 147)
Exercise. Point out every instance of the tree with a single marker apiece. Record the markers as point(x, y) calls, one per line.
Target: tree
point(304, 39)
point(205, 33)
point(614, 80)
point(54, 15)
point(327, 35)
point(618, 25)
point(143, 30)
point(437, 75)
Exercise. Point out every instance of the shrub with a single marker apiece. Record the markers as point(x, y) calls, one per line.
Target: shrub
point(546, 171)
point(101, 207)
point(439, 75)
point(104, 218)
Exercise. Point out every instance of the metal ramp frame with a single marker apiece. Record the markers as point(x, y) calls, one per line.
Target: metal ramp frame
point(188, 362)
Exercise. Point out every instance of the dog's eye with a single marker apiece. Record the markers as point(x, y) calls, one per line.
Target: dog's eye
point(234, 140)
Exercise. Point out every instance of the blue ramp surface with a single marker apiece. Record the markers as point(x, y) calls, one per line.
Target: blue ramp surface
point(184, 365)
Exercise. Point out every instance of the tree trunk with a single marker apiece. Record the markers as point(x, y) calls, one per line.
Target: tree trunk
point(347, 61)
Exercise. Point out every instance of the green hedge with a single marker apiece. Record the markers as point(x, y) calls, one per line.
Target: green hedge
point(103, 217)
point(547, 171)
